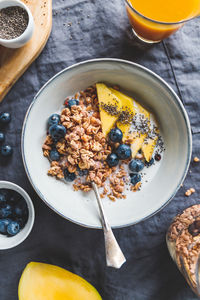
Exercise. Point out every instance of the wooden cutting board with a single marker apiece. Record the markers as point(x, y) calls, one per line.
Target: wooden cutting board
point(14, 62)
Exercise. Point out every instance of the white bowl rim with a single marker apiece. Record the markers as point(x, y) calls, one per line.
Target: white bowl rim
point(165, 85)
point(28, 200)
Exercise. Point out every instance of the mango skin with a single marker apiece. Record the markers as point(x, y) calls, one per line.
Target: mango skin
point(41, 281)
point(106, 96)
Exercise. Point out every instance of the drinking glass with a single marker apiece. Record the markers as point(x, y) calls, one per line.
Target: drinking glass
point(148, 30)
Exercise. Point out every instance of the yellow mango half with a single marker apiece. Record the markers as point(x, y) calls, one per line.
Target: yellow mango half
point(127, 103)
point(48, 282)
point(106, 97)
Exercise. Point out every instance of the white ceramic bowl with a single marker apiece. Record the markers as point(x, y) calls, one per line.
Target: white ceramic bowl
point(150, 90)
point(27, 34)
point(10, 242)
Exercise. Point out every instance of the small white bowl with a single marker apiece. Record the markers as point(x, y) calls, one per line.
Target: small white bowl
point(10, 242)
point(27, 34)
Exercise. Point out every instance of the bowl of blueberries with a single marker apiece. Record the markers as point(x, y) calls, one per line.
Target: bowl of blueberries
point(16, 215)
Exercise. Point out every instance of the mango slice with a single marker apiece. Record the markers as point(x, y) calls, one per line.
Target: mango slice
point(140, 137)
point(127, 103)
point(47, 282)
point(149, 144)
point(134, 107)
point(106, 97)
point(136, 145)
point(148, 148)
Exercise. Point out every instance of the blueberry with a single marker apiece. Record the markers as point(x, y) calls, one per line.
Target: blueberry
point(149, 163)
point(6, 150)
point(21, 222)
point(14, 197)
point(12, 200)
point(54, 155)
point(5, 192)
point(123, 151)
point(13, 228)
point(3, 225)
point(2, 199)
point(53, 120)
point(2, 137)
point(136, 165)
point(194, 228)
point(69, 176)
point(6, 211)
point(135, 178)
point(4, 195)
point(115, 135)
point(131, 174)
point(72, 102)
point(20, 209)
point(57, 131)
point(5, 118)
point(82, 172)
point(112, 160)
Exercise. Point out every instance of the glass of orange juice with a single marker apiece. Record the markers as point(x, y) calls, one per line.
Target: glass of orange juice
point(154, 20)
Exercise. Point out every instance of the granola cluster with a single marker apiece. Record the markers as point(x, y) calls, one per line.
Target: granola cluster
point(85, 147)
point(184, 239)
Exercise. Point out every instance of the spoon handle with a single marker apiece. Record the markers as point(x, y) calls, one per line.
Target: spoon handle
point(114, 256)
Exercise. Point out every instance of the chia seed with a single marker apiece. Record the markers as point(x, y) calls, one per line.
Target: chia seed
point(160, 144)
point(125, 116)
point(140, 123)
point(13, 22)
point(111, 109)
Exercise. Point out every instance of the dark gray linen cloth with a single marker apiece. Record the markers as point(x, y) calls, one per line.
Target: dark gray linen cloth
point(85, 29)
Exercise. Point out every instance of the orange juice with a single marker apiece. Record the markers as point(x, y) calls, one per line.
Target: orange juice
point(160, 11)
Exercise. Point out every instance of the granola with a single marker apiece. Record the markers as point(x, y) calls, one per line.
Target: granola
point(183, 240)
point(82, 149)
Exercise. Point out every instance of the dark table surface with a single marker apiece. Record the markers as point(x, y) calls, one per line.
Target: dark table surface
point(101, 29)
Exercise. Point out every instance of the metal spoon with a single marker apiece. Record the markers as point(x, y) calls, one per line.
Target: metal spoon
point(114, 256)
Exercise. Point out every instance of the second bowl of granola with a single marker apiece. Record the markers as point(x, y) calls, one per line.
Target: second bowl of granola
point(112, 122)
